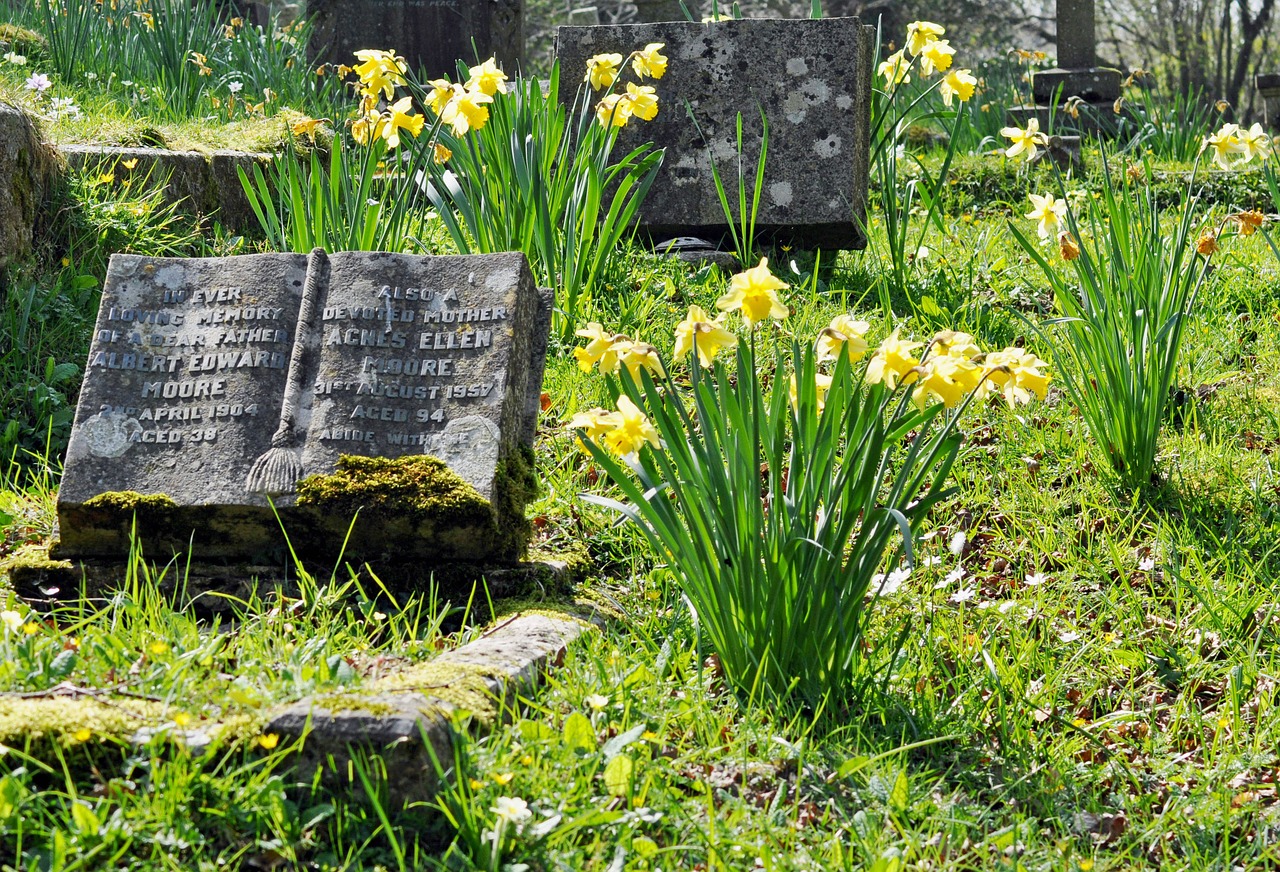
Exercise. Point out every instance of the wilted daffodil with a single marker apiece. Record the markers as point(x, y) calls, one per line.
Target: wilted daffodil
point(631, 430)
point(893, 362)
point(602, 70)
point(380, 71)
point(648, 63)
point(936, 55)
point(843, 334)
point(896, 69)
point(1024, 141)
point(487, 79)
point(466, 111)
point(1015, 373)
point(1248, 222)
point(614, 111)
point(958, 84)
point(1049, 212)
point(643, 100)
point(399, 119)
point(921, 33)
point(698, 331)
point(754, 293)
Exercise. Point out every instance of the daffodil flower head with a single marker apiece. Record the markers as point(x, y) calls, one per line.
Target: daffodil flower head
point(602, 70)
point(1226, 144)
point(631, 431)
point(698, 331)
point(599, 342)
point(1049, 212)
point(1255, 142)
point(399, 118)
point(936, 55)
point(1015, 373)
point(642, 101)
point(843, 334)
point(594, 423)
point(947, 380)
point(755, 294)
point(380, 71)
point(896, 69)
point(368, 128)
point(957, 84)
point(487, 79)
point(637, 355)
point(442, 91)
point(893, 362)
point(648, 63)
point(466, 111)
point(921, 33)
point(953, 343)
point(614, 111)
point(822, 382)
point(1025, 142)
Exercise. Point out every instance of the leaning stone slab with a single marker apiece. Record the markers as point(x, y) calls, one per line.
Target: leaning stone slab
point(222, 391)
point(407, 725)
point(813, 80)
point(204, 185)
point(26, 170)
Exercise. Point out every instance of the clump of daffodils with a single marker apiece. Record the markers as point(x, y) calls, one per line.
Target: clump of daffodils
point(379, 73)
point(615, 109)
point(927, 50)
point(1233, 145)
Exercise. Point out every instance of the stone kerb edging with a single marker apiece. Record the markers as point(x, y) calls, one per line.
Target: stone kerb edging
point(398, 716)
point(205, 184)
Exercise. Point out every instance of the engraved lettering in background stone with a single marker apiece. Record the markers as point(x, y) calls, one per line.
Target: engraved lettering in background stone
point(469, 445)
point(110, 434)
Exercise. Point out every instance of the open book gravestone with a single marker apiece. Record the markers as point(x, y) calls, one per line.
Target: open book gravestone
point(813, 80)
point(431, 35)
point(219, 387)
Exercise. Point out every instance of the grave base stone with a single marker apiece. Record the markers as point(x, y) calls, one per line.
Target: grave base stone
point(1268, 85)
point(27, 167)
point(221, 393)
point(813, 80)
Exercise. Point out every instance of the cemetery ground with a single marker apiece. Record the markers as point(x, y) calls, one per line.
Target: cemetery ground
point(1081, 679)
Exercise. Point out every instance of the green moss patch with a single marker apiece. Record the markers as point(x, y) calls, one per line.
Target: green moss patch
point(419, 488)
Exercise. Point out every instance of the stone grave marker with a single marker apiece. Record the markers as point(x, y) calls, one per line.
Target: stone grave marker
point(432, 35)
point(813, 80)
point(219, 387)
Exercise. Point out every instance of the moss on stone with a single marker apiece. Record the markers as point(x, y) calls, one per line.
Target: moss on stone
point(31, 566)
point(150, 509)
point(515, 485)
point(32, 721)
point(461, 685)
point(420, 488)
point(347, 702)
point(23, 41)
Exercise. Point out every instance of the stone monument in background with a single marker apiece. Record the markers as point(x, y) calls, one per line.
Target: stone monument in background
point(432, 35)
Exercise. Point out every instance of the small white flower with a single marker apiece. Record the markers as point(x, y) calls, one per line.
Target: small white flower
point(511, 809)
point(597, 701)
point(1068, 637)
point(956, 545)
point(1147, 564)
point(931, 561)
point(951, 578)
point(923, 252)
point(11, 620)
point(91, 76)
point(963, 595)
point(882, 585)
point(38, 82)
point(1034, 579)
point(1008, 606)
point(898, 576)
point(16, 59)
point(235, 87)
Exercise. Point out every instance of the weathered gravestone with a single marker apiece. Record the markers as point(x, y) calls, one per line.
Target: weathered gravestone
point(432, 35)
point(216, 387)
point(813, 80)
point(1268, 87)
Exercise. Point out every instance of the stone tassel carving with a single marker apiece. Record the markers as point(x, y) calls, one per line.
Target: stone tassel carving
point(277, 471)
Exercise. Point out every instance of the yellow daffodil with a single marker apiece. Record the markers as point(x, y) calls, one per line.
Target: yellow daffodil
point(399, 118)
point(754, 293)
point(953, 343)
point(936, 55)
point(698, 331)
point(1025, 142)
point(843, 334)
point(648, 63)
point(896, 69)
point(958, 84)
point(466, 111)
point(1049, 212)
point(595, 423)
point(893, 362)
point(380, 71)
point(643, 101)
point(631, 430)
point(1015, 373)
point(921, 33)
point(368, 127)
point(602, 70)
point(1225, 144)
point(487, 79)
point(615, 110)
point(821, 381)
point(635, 355)
point(1255, 142)
point(590, 354)
point(442, 91)
point(947, 380)
point(307, 126)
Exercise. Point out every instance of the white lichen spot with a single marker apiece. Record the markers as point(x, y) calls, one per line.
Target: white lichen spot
point(844, 102)
point(780, 193)
point(797, 67)
point(795, 107)
point(829, 147)
point(817, 91)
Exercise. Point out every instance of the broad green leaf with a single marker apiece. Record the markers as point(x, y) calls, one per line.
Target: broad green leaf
point(579, 735)
point(619, 743)
point(617, 775)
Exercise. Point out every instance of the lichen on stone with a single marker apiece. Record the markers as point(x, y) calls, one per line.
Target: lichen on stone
point(461, 685)
point(346, 702)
